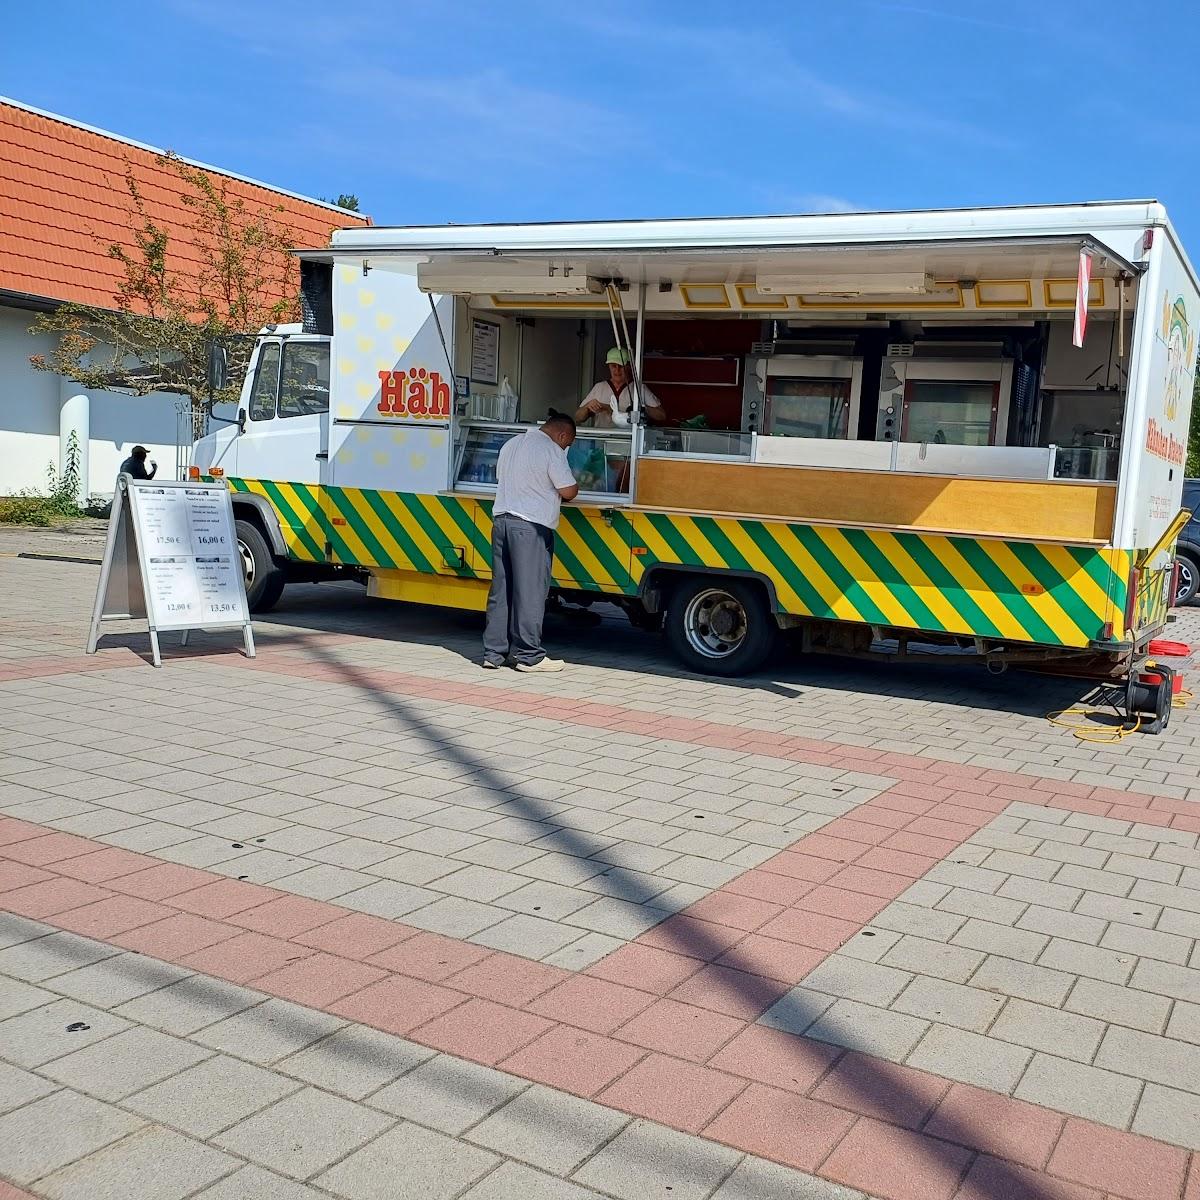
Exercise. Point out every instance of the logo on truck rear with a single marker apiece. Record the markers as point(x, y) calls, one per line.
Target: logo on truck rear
point(1180, 352)
point(1170, 444)
point(417, 394)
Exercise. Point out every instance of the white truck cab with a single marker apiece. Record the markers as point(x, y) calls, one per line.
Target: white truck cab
point(281, 433)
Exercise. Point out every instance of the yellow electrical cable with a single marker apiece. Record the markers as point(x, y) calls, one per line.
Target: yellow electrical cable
point(1085, 733)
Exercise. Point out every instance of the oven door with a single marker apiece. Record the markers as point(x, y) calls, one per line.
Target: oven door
point(950, 412)
point(811, 408)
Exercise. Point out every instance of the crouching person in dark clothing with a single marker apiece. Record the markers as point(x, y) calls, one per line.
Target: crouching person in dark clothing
point(135, 464)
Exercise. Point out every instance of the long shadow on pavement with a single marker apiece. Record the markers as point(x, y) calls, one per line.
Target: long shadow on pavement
point(690, 939)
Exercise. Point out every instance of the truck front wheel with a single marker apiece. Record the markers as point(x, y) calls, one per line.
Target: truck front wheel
point(720, 626)
point(264, 579)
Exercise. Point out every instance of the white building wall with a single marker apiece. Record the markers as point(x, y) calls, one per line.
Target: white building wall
point(30, 404)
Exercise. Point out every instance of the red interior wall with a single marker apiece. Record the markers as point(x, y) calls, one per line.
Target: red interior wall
point(722, 405)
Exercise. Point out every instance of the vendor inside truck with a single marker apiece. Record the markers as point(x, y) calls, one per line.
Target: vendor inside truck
point(610, 402)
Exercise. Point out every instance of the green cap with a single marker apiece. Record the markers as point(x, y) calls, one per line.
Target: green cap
point(617, 356)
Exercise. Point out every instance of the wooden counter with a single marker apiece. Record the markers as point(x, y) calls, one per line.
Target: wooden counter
point(1054, 510)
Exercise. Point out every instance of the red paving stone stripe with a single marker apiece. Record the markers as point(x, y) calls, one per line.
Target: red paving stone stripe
point(727, 989)
point(573, 1060)
point(1192, 1191)
point(783, 1126)
point(482, 1031)
point(10, 1191)
point(897, 1164)
point(39, 668)
point(507, 979)
point(680, 1095)
point(661, 1028)
point(770, 958)
point(53, 895)
point(683, 1031)
point(15, 875)
point(1122, 1163)
point(778, 1059)
point(999, 1125)
point(592, 1004)
point(889, 1092)
point(135, 652)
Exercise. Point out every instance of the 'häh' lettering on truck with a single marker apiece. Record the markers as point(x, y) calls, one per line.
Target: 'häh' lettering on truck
point(879, 427)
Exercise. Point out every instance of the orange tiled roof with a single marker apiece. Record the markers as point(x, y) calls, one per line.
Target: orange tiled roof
point(64, 201)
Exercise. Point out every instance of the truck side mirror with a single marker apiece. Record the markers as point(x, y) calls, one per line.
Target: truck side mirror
point(218, 367)
point(241, 420)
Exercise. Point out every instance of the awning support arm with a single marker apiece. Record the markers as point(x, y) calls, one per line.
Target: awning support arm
point(442, 337)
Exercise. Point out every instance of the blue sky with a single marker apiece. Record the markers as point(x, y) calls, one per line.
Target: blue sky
point(468, 111)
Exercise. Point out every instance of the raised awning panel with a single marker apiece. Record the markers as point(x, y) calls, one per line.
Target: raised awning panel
point(1015, 275)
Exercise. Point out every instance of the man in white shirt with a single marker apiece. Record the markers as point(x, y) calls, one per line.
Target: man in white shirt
point(533, 480)
point(609, 403)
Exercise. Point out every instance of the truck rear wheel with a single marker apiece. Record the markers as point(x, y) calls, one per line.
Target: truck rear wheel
point(264, 579)
point(720, 626)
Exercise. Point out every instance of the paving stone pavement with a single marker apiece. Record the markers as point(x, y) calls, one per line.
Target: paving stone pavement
point(999, 929)
point(1051, 957)
point(123, 1078)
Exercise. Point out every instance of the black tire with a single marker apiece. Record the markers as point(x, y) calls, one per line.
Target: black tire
point(264, 577)
point(1189, 580)
point(720, 626)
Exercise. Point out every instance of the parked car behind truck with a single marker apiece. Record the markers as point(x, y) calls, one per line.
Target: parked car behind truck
point(1187, 551)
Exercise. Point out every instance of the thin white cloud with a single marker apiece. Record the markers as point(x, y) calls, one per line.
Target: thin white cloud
point(437, 120)
point(604, 109)
point(454, 126)
point(746, 67)
point(821, 202)
point(956, 16)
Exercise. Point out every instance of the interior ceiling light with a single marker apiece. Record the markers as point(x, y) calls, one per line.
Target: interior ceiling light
point(890, 284)
point(513, 279)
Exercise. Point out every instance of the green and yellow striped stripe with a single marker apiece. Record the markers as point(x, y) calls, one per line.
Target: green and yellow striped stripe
point(1042, 593)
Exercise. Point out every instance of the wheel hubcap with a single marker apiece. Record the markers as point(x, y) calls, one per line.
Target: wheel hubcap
point(715, 623)
point(1187, 580)
point(247, 562)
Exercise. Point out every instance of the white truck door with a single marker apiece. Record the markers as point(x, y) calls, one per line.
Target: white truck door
point(287, 429)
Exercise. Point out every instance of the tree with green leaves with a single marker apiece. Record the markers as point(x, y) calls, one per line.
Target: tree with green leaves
point(346, 200)
point(225, 271)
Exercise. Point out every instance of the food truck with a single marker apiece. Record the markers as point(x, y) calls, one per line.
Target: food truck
point(948, 429)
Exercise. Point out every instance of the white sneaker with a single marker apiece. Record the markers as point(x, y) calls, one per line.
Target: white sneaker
point(543, 664)
point(488, 665)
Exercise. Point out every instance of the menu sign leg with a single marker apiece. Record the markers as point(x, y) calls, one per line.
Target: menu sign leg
point(172, 558)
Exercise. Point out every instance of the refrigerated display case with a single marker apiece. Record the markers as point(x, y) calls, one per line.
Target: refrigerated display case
point(599, 461)
point(479, 450)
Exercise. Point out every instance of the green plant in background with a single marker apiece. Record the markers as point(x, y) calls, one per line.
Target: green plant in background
point(64, 485)
point(29, 507)
point(1193, 455)
point(25, 508)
